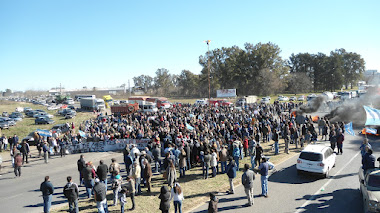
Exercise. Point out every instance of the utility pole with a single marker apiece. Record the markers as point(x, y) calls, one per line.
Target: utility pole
point(129, 87)
point(208, 68)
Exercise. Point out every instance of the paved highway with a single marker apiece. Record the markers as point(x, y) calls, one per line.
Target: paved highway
point(289, 192)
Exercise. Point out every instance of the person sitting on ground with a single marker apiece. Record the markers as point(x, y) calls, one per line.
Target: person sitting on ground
point(213, 204)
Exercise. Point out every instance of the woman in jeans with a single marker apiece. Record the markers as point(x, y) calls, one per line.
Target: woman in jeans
point(177, 196)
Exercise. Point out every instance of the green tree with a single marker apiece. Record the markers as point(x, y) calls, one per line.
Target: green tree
point(163, 81)
point(143, 81)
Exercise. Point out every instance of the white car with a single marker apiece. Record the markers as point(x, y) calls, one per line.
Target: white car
point(301, 98)
point(282, 98)
point(370, 189)
point(317, 159)
point(265, 100)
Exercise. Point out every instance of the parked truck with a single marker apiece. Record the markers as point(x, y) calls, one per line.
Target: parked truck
point(124, 109)
point(249, 99)
point(92, 103)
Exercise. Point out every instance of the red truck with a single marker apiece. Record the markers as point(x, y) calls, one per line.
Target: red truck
point(124, 109)
point(161, 102)
point(220, 102)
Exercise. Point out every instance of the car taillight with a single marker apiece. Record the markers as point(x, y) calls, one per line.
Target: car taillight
point(321, 164)
point(299, 161)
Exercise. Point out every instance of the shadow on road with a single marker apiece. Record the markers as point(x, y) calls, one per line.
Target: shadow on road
point(334, 202)
point(289, 175)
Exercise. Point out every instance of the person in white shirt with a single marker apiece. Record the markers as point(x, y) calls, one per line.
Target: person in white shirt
point(214, 162)
point(177, 197)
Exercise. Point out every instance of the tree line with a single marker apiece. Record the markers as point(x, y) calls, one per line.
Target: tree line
point(258, 70)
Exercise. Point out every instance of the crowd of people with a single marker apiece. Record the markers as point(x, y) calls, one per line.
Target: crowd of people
point(181, 138)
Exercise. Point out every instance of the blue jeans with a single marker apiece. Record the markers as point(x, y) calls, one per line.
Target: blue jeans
point(264, 185)
point(47, 203)
point(89, 184)
point(253, 162)
point(276, 147)
point(205, 171)
point(188, 164)
point(102, 206)
point(182, 172)
point(138, 186)
point(178, 205)
point(73, 206)
point(236, 158)
point(158, 165)
point(224, 166)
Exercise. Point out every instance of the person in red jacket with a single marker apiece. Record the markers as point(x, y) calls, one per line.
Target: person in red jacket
point(245, 146)
point(18, 165)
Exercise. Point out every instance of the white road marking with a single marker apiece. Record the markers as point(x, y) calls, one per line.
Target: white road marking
point(324, 186)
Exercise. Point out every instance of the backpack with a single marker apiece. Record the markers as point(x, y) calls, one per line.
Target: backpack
point(69, 192)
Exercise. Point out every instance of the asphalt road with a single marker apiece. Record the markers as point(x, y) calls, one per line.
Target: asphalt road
point(289, 192)
point(23, 194)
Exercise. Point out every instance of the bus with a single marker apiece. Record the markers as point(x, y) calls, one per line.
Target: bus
point(78, 97)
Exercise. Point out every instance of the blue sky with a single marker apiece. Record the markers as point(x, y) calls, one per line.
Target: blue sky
point(105, 43)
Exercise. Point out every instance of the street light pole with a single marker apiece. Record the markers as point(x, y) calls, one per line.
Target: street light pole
point(208, 68)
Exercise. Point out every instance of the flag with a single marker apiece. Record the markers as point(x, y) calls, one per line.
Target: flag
point(371, 131)
point(373, 116)
point(44, 133)
point(82, 134)
point(189, 127)
point(348, 128)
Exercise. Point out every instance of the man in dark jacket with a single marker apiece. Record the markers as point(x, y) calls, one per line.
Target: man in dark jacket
point(88, 179)
point(263, 169)
point(206, 164)
point(368, 160)
point(231, 173)
point(18, 165)
point(148, 174)
point(102, 172)
point(81, 164)
point(71, 192)
point(25, 151)
point(128, 161)
point(247, 181)
point(47, 190)
point(165, 199)
point(100, 193)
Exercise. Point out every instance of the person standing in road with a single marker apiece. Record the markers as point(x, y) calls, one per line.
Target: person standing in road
point(25, 151)
point(102, 172)
point(116, 187)
point(231, 173)
point(339, 142)
point(71, 192)
point(81, 165)
point(128, 161)
point(100, 193)
point(333, 141)
point(88, 179)
point(47, 190)
point(45, 148)
point(15, 140)
point(263, 169)
point(18, 165)
point(247, 181)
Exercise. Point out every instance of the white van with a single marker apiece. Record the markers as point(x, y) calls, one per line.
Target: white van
point(317, 159)
point(149, 107)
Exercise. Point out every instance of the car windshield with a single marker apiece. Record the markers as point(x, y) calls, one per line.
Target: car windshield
point(374, 181)
point(311, 156)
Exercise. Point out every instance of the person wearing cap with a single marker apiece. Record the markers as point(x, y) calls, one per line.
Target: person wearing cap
point(368, 160)
point(100, 193)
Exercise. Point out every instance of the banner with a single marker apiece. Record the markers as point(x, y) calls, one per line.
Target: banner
point(44, 133)
point(373, 116)
point(371, 131)
point(225, 93)
point(348, 128)
point(105, 146)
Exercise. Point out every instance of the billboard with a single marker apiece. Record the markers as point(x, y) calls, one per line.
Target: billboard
point(225, 93)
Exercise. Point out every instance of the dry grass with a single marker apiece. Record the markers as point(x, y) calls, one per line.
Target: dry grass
point(195, 188)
